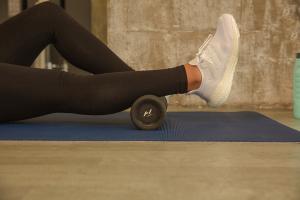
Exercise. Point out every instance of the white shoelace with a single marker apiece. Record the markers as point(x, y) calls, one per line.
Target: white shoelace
point(203, 47)
point(200, 52)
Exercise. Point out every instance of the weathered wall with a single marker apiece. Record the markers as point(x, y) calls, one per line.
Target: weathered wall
point(163, 33)
point(99, 19)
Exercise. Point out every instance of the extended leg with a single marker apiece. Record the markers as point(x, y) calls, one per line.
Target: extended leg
point(29, 92)
point(24, 36)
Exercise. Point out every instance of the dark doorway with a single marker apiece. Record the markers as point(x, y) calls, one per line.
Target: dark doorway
point(3, 10)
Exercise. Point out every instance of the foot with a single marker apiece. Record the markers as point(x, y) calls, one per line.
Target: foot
point(216, 61)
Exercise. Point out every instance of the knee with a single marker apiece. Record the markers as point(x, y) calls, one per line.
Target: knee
point(49, 9)
point(51, 13)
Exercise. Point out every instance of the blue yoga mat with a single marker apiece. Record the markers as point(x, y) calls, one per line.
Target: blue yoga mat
point(178, 126)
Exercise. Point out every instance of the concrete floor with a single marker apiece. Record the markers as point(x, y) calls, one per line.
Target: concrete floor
point(151, 170)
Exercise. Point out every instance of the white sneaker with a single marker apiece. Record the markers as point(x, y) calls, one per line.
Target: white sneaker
point(216, 60)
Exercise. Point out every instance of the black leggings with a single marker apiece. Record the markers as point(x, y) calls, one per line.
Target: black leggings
point(29, 92)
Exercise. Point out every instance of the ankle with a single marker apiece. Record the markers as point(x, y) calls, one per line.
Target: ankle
point(194, 77)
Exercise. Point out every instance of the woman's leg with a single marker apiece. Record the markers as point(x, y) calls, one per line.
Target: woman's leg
point(25, 35)
point(29, 92)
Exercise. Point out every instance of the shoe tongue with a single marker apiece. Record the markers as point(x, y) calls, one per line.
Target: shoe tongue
point(205, 44)
point(194, 61)
point(197, 59)
point(205, 59)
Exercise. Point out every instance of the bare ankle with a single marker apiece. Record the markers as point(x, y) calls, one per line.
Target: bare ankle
point(194, 77)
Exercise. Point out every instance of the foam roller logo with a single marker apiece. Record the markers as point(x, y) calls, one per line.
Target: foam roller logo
point(148, 113)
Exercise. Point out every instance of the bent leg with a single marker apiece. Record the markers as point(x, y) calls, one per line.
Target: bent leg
point(25, 35)
point(29, 92)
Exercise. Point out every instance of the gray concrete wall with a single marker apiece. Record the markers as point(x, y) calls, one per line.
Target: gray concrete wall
point(164, 33)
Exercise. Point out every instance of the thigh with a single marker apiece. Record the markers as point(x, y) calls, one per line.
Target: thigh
point(28, 92)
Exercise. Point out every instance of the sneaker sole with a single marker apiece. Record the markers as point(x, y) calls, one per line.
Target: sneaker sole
point(222, 91)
